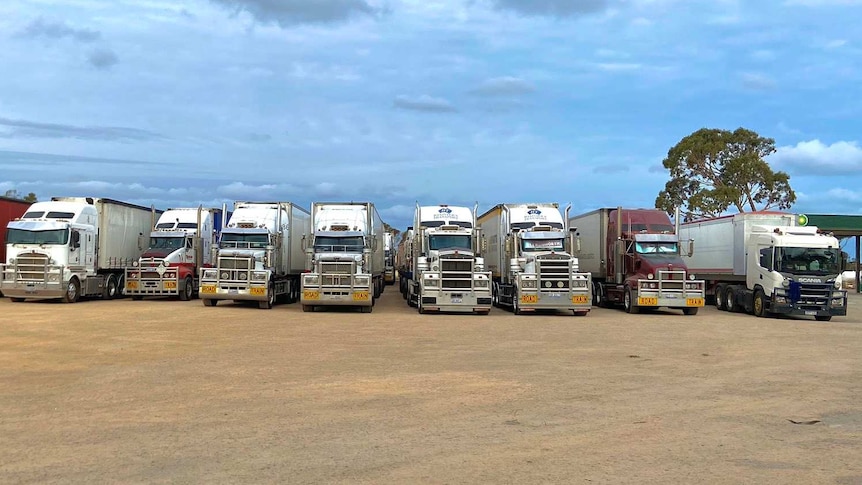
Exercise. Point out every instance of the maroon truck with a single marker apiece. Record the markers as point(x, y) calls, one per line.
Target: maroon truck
point(634, 256)
point(10, 209)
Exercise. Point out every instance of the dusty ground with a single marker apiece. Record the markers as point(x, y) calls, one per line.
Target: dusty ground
point(168, 391)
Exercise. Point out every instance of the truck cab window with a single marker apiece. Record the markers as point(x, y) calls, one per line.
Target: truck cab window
point(766, 258)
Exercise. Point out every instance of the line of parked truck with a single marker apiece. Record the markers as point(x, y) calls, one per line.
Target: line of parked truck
point(526, 257)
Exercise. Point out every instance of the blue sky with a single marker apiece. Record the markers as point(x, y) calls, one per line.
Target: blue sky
point(441, 101)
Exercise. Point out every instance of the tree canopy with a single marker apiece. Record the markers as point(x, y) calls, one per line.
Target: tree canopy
point(712, 170)
point(13, 194)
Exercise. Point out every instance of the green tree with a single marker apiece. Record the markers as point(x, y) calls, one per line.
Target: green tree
point(13, 194)
point(388, 228)
point(31, 197)
point(712, 170)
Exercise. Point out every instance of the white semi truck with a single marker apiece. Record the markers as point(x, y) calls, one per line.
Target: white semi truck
point(180, 244)
point(259, 255)
point(389, 250)
point(764, 263)
point(73, 247)
point(530, 255)
point(445, 269)
point(345, 256)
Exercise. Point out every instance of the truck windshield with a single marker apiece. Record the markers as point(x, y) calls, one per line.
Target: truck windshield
point(21, 236)
point(436, 243)
point(822, 261)
point(656, 247)
point(235, 240)
point(166, 242)
point(352, 244)
point(534, 245)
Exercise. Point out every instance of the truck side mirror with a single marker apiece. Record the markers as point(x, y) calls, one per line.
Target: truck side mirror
point(76, 239)
point(143, 242)
point(304, 243)
point(690, 247)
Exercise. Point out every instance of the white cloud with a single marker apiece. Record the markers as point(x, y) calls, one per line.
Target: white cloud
point(757, 81)
point(816, 158)
point(503, 86)
point(423, 103)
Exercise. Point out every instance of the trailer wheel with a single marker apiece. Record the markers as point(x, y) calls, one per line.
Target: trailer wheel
point(719, 298)
point(110, 288)
point(73, 291)
point(188, 289)
point(16, 300)
point(628, 301)
point(690, 311)
point(759, 304)
point(208, 302)
point(823, 318)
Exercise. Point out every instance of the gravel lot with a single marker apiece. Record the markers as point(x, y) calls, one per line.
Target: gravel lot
point(169, 391)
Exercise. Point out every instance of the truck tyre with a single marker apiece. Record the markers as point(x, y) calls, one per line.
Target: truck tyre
point(16, 300)
point(137, 298)
point(307, 308)
point(730, 300)
point(495, 298)
point(111, 288)
point(121, 286)
point(270, 299)
point(73, 291)
point(188, 289)
point(365, 309)
point(823, 318)
point(719, 298)
point(598, 298)
point(628, 301)
point(690, 311)
point(210, 302)
point(759, 304)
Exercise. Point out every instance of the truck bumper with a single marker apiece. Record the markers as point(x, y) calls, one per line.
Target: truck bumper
point(209, 290)
point(34, 290)
point(317, 296)
point(789, 309)
point(152, 287)
point(456, 302)
point(578, 302)
point(687, 301)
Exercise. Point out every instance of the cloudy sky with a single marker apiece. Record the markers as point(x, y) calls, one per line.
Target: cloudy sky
point(180, 103)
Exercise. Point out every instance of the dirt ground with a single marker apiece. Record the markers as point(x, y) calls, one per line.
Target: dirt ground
point(169, 391)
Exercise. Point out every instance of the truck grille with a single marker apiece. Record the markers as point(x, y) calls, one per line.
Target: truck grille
point(234, 263)
point(31, 267)
point(553, 272)
point(336, 268)
point(814, 297)
point(456, 273)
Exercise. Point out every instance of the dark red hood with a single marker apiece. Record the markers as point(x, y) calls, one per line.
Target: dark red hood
point(652, 262)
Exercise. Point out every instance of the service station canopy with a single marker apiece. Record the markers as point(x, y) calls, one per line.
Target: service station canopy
point(841, 226)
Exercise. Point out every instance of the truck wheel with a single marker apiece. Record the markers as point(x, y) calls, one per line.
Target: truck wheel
point(690, 311)
point(16, 300)
point(210, 302)
point(823, 318)
point(719, 298)
point(121, 286)
point(307, 308)
point(137, 298)
point(73, 291)
point(365, 309)
point(598, 298)
point(111, 289)
point(730, 300)
point(628, 301)
point(270, 300)
point(759, 304)
point(188, 289)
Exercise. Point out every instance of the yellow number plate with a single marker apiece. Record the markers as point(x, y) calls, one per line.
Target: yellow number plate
point(360, 295)
point(694, 301)
point(258, 291)
point(170, 285)
point(310, 295)
point(529, 298)
point(580, 299)
point(208, 289)
point(132, 285)
point(647, 301)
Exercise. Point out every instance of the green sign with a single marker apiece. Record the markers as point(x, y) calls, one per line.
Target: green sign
point(802, 220)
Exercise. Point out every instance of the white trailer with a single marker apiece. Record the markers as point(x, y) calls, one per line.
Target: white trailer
point(390, 251)
point(446, 271)
point(259, 255)
point(180, 244)
point(764, 263)
point(71, 247)
point(530, 255)
point(345, 256)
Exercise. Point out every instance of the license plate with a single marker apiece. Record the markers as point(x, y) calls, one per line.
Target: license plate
point(554, 295)
point(360, 295)
point(529, 298)
point(580, 299)
point(170, 285)
point(132, 285)
point(310, 295)
point(811, 313)
point(456, 300)
point(694, 301)
point(208, 289)
point(233, 292)
point(258, 291)
point(647, 301)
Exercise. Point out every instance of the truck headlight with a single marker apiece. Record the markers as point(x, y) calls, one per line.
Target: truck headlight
point(210, 274)
point(650, 276)
point(362, 281)
point(838, 302)
point(430, 282)
point(256, 276)
point(785, 283)
point(528, 283)
point(54, 277)
point(780, 299)
point(691, 276)
point(481, 283)
point(310, 280)
point(225, 275)
point(837, 284)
